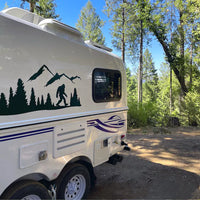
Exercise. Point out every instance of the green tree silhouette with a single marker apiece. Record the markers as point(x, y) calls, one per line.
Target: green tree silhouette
point(74, 100)
point(38, 103)
point(48, 104)
point(32, 100)
point(20, 100)
point(42, 102)
point(11, 101)
point(3, 104)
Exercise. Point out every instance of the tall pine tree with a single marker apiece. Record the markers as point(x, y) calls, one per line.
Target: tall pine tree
point(128, 31)
point(150, 78)
point(90, 24)
point(119, 17)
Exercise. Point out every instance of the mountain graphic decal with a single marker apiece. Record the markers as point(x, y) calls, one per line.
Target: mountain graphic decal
point(39, 72)
point(17, 102)
point(57, 77)
point(54, 78)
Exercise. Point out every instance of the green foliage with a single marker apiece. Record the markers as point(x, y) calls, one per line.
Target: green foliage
point(191, 103)
point(131, 85)
point(46, 9)
point(141, 114)
point(32, 4)
point(125, 17)
point(114, 9)
point(90, 24)
point(192, 108)
point(175, 24)
point(150, 78)
point(187, 109)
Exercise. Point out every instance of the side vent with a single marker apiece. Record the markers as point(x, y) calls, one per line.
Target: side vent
point(69, 139)
point(89, 42)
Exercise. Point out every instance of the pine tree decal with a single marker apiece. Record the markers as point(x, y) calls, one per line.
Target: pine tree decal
point(11, 101)
point(38, 102)
point(48, 103)
point(3, 104)
point(32, 105)
point(71, 99)
point(74, 100)
point(42, 103)
point(20, 101)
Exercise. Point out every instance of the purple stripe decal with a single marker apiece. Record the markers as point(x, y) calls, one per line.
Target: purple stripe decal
point(25, 134)
point(112, 125)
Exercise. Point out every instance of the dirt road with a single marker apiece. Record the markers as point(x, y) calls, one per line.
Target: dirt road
point(159, 166)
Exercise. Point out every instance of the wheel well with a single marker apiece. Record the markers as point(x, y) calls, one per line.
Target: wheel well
point(34, 177)
point(25, 187)
point(45, 181)
point(30, 177)
point(81, 160)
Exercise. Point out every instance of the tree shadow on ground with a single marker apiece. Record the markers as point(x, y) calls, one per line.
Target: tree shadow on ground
point(136, 178)
point(182, 151)
point(157, 167)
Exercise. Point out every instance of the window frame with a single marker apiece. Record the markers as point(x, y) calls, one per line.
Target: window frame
point(93, 85)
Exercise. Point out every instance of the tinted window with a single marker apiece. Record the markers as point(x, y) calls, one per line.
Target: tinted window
point(106, 85)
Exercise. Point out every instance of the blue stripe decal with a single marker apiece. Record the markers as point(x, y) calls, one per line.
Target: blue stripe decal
point(25, 134)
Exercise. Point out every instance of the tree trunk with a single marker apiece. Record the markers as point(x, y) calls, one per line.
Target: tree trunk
point(170, 91)
point(170, 75)
point(170, 54)
point(191, 61)
point(140, 71)
point(32, 6)
point(170, 57)
point(182, 56)
point(123, 35)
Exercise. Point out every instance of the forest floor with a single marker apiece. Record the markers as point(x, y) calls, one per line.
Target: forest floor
point(164, 163)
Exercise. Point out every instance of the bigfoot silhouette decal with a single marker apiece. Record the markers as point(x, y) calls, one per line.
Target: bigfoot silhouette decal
point(61, 94)
point(18, 103)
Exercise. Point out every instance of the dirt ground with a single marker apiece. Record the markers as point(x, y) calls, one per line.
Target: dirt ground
point(162, 164)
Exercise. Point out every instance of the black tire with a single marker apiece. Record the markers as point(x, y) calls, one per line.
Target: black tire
point(75, 184)
point(26, 188)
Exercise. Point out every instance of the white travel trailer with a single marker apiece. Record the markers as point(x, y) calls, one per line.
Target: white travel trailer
point(63, 108)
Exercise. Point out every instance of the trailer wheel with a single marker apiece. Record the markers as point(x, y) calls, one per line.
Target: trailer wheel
point(27, 190)
point(75, 183)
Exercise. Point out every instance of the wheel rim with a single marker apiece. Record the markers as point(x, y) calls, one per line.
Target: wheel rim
point(31, 197)
point(75, 188)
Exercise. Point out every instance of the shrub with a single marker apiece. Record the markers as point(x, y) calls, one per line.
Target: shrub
point(141, 114)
